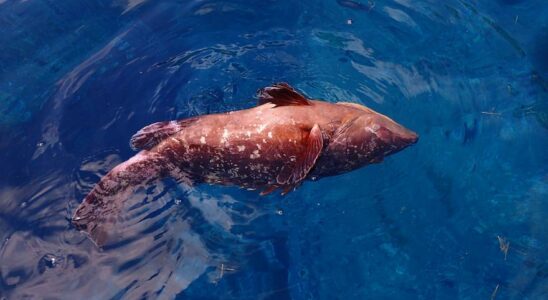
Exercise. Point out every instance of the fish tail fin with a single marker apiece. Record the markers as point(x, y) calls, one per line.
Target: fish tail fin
point(101, 207)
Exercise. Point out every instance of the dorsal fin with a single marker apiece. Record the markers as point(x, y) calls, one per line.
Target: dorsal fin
point(151, 135)
point(281, 94)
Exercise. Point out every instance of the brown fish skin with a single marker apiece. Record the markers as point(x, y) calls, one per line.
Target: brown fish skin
point(250, 147)
point(277, 144)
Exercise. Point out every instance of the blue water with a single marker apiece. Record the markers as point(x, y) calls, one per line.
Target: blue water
point(463, 214)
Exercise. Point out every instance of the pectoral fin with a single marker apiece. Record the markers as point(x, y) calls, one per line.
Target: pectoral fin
point(305, 161)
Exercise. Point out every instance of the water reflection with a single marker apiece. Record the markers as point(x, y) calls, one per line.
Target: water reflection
point(169, 237)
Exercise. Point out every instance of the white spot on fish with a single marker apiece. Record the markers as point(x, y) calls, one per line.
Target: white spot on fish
point(261, 128)
point(372, 130)
point(202, 140)
point(241, 148)
point(270, 134)
point(224, 138)
point(255, 154)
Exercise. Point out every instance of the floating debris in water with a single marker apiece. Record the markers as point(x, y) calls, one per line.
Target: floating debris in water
point(349, 22)
point(222, 270)
point(51, 260)
point(494, 294)
point(48, 261)
point(504, 245)
point(538, 109)
point(491, 113)
point(279, 212)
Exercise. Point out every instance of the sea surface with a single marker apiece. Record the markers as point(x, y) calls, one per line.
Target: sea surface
point(463, 214)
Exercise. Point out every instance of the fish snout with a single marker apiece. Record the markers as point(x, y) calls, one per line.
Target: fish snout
point(409, 137)
point(396, 135)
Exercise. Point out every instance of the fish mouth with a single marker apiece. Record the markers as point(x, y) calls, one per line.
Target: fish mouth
point(402, 136)
point(410, 137)
point(395, 133)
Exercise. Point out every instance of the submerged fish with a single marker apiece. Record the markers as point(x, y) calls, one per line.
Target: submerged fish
point(286, 139)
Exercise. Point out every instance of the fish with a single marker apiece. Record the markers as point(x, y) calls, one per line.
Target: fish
point(275, 146)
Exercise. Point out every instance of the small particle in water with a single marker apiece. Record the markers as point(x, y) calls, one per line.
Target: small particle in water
point(504, 245)
point(491, 113)
point(349, 22)
point(50, 260)
point(23, 204)
point(40, 144)
point(279, 212)
point(494, 294)
point(177, 201)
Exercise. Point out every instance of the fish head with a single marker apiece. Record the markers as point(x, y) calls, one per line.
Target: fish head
point(371, 136)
